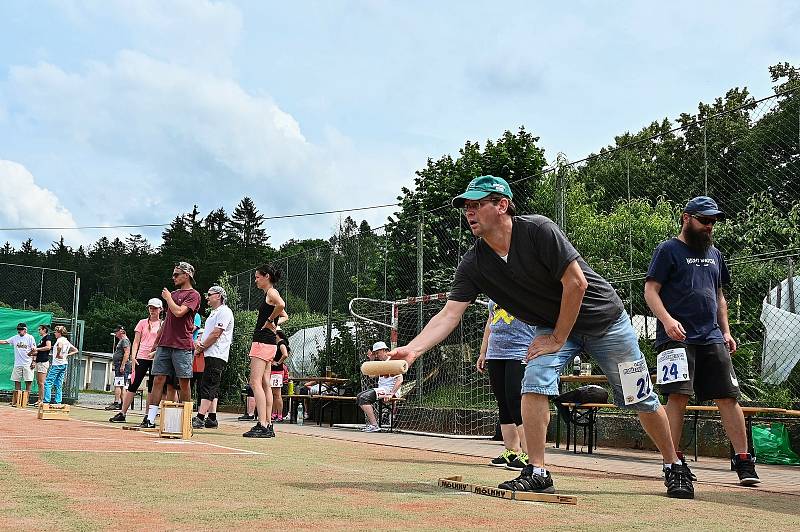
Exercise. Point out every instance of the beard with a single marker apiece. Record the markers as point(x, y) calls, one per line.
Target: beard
point(698, 241)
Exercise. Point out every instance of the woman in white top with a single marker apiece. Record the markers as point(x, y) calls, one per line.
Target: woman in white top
point(58, 368)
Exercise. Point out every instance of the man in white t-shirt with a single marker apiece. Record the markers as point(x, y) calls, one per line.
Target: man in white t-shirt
point(24, 344)
point(215, 345)
point(388, 386)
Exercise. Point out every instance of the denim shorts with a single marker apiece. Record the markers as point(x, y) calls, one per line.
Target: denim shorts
point(173, 362)
point(618, 344)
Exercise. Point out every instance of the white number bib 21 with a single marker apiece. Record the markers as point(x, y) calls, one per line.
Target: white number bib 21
point(635, 381)
point(672, 366)
point(276, 380)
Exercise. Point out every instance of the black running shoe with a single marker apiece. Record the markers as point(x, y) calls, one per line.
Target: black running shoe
point(246, 417)
point(683, 461)
point(211, 423)
point(530, 481)
point(114, 406)
point(270, 431)
point(118, 418)
point(258, 431)
point(504, 459)
point(198, 423)
point(678, 480)
point(745, 467)
point(518, 463)
point(147, 424)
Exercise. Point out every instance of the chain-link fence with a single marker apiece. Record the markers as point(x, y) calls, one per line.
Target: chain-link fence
point(615, 207)
point(45, 290)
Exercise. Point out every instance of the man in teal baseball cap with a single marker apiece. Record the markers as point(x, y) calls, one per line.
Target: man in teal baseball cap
point(528, 266)
point(481, 187)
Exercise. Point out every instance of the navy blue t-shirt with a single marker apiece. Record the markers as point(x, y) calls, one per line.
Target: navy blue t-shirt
point(689, 285)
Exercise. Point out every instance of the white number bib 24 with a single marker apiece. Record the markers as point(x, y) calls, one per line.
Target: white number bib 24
point(672, 366)
point(276, 380)
point(635, 381)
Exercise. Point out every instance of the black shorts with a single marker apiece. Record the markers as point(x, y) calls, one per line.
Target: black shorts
point(208, 387)
point(711, 374)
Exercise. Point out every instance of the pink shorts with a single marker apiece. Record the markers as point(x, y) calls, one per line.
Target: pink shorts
point(263, 351)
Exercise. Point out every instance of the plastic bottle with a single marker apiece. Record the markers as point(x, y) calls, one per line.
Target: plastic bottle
point(300, 413)
point(576, 365)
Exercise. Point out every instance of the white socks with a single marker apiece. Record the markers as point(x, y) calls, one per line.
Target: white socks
point(542, 472)
point(152, 412)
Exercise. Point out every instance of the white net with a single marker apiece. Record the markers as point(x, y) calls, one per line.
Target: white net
point(443, 392)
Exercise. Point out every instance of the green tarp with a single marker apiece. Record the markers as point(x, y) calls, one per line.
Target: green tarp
point(9, 318)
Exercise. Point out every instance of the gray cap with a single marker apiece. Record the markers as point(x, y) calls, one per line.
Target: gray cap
point(379, 345)
point(218, 290)
point(185, 267)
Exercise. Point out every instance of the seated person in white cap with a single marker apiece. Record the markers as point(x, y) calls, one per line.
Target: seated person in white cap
point(388, 386)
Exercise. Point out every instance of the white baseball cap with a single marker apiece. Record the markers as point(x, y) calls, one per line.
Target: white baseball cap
point(155, 302)
point(379, 345)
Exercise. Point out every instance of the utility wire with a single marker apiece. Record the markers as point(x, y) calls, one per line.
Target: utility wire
point(278, 217)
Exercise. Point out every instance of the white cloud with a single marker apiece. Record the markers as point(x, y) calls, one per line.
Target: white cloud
point(23, 203)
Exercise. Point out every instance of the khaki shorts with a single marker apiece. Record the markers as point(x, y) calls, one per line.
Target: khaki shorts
point(42, 367)
point(22, 373)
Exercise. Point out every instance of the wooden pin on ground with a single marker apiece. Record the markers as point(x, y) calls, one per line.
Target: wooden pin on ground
point(47, 411)
point(457, 483)
point(19, 399)
point(175, 420)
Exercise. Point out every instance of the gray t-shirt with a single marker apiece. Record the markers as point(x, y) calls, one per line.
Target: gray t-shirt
point(119, 352)
point(509, 337)
point(528, 286)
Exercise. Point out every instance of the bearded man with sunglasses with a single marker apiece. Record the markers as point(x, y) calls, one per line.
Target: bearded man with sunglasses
point(693, 337)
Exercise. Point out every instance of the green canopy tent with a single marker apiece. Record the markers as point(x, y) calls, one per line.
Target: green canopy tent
point(9, 318)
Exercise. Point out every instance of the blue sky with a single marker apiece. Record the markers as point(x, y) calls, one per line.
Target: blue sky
point(116, 112)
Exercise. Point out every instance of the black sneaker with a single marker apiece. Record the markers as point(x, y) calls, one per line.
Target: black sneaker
point(198, 423)
point(745, 467)
point(270, 431)
point(683, 461)
point(147, 424)
point(530, 481)
point(518, 463)
point(678, 480)
point(258, 431)
point(119, 418)
point(211, 423)
point(246, 417)
point(504, 459)
point(114, 406)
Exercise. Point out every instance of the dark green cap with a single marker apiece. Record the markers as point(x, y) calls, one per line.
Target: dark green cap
point(482, 186)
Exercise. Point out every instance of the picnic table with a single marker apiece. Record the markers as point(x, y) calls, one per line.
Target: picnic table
point(329, 387)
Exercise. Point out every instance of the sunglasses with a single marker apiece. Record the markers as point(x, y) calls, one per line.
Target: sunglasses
point(705, 220)
point(475, 205)
point(174, 275)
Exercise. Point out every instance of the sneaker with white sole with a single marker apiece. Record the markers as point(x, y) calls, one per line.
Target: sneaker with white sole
point(372, 428)
point(745, 466)
point(505, 458)
point(518, 463)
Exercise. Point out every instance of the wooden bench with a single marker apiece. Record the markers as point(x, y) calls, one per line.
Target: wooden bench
point(325, 401)
point(591, 409)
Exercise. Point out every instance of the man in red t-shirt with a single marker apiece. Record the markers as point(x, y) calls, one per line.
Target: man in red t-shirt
point(175, 346)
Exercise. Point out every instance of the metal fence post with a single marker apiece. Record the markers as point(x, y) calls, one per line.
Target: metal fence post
point(420, 292)
point(330, 301)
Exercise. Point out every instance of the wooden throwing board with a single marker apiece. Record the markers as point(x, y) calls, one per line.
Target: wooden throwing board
point(457, 483)
point(47, 411)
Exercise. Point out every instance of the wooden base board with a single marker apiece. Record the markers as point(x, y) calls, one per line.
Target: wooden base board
point(457, 483)
point(47, 411)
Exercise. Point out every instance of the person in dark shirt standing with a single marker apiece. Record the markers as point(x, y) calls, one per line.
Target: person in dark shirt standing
point(175, 346)
point(528, 267)
point(43, 350)
point(264, 348)
point(693, 338)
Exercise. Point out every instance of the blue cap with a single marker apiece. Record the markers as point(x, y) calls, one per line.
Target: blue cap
point(704, 206)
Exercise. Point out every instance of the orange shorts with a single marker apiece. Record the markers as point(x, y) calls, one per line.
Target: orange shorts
point(263, 351)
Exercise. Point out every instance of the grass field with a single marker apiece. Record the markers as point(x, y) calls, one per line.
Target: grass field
point(91, 475)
